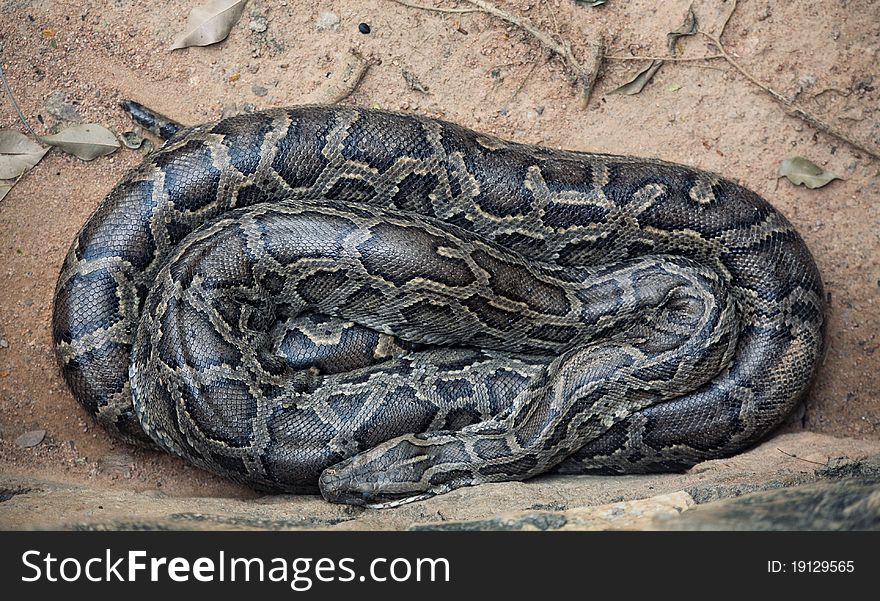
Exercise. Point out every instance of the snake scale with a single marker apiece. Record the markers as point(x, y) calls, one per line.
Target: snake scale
point(385, 307)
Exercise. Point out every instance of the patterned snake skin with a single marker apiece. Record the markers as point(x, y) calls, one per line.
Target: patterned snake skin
point(390, 307)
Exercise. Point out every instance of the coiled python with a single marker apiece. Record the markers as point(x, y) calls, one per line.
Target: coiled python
point(390, 307)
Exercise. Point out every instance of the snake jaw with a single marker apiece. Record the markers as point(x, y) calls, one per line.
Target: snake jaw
point(351, 490)
point(396, 472)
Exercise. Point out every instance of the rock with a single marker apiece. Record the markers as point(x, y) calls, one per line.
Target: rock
point(259, 24)
point(259, 90)
point(327, 21)
point(4, 343)
point(248, 107)
point(61, 108)
point(842, 468)
point(132, 139)
point(30, 439)
point(8, 493)
point(807, 80)
point(849, 505)
point(766, 487)
point(229, 110)
point(624, 515)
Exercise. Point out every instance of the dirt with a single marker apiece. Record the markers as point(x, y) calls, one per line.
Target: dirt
point(477, 71)
point(759, 482)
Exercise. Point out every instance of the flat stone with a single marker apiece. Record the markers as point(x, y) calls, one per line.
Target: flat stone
point(847, 505)
point(61, 108)
point(780, 478)
point(624, 515)
point(30, 439)
point(259, 24)
point(327, 21)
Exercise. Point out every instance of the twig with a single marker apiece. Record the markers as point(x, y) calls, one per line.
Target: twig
point(800, 458)
point(9, 187)
point(439, 10)
point(345, 82)
point(681, 59)
point(354, 77)
point(558, 46)
point(726, 20)
point(552, 12)
point(598, 57)
point(789, 105)
point(522, 83)
point(21, 117)
point(587, 78)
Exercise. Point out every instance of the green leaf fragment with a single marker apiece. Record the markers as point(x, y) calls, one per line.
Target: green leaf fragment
point(801, 171)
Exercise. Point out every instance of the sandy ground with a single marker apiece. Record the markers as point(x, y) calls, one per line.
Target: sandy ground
point(481, 73)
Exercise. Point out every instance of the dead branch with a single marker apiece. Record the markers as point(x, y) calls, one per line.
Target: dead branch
point(345, 81)
point(561, 47)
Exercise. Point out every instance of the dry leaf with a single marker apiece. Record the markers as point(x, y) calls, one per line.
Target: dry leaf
point(635, 85)
point(87, 142)
point(210, 23)
point(689, 27)
point(30, 439)
point(799, 171)
point(18, 153)
point(5, 187)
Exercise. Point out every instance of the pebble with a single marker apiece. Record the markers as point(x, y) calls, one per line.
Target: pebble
point(807, 81)
point(328, 21)
point(61, 108)
point(229, 110)
point(259, 24)
point(248, 107)
point(132, 139)
point(364, 28)
point(4, 343)
point(30, 439)
point(259, 90)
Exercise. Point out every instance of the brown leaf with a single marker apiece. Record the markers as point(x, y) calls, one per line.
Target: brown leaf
point(689, 27)
point(5, 187)
point(635, 85)
point(18, 153)
point(86, 142)
point(210, 23)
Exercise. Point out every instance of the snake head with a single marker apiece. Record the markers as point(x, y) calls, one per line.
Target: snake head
point(402, 470)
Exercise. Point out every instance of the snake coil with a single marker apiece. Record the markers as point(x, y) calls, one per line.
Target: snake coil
point(389, 307)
